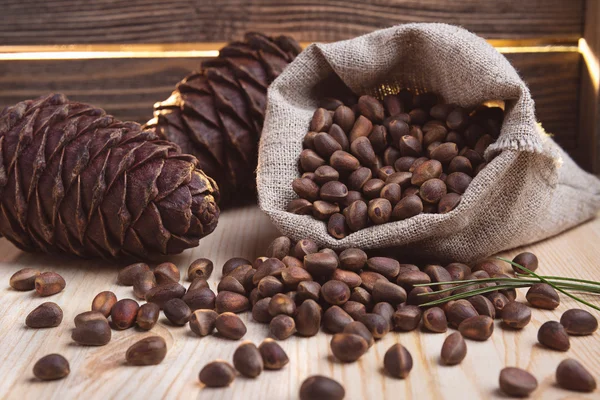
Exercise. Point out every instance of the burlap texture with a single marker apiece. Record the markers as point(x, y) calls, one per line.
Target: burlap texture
point(531, 190)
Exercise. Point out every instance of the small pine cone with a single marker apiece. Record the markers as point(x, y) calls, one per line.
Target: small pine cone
point(75, 180)
point(217, 114)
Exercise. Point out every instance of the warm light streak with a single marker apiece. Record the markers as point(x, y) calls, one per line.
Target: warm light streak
point(89, 55)
point(591, 61)
point(537, 49)
point(100, 51)
point(206, 50)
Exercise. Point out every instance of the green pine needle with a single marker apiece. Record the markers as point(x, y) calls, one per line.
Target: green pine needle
point(549, 283)
point(530, 278)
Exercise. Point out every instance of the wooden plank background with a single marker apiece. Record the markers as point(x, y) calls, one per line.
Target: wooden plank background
point(100, 372)
point(589, 106)
point(553, 79)
point(169, 21)
point(127, 88)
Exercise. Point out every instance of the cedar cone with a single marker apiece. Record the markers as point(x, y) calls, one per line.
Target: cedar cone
point(75, 180)
point(217, 114)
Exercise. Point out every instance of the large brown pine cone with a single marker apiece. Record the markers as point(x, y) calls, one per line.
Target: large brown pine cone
point(217, 114)
point(75, 180)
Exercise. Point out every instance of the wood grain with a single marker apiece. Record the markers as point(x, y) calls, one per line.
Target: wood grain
point(589, 103)
point(553, 79)
point(100, 373)
point(127, 88)
point(139, 21)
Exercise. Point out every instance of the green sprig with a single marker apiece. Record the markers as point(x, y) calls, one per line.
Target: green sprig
point(530, 278)
point(550, 283)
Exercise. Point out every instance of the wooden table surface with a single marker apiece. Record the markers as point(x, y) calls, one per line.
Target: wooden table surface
point(101, 373)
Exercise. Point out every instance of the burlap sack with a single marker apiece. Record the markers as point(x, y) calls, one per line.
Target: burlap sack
point(531, 190)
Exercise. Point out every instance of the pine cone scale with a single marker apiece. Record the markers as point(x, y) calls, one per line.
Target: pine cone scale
point(81, 215)
point(290, 45)
point(175, 174)
point(228, 100)
point(208, 137)
point(273, 64)
point(38, 165)
point(206, 162)
point(20, 202)
point(125, 157)
point(178, 244)
point(11, 115)
point(99, 240)
point(146, 154)
point(263, 43)
point(3, 174)
point(75, 164)
point(134, 244)
point(141, 188)
point(152, 220)
point(58, 190)
point(250, 69)
point(25, 138)
point(197, 104)
point(71, 219)
point(257, 102)
point(48, 118)
point(69, 131)
point(177, 211)
point(113, 213)
point(40, 223)
point(240, 139)
point(203, 221)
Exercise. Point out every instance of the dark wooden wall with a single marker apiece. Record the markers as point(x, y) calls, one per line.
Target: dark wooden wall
point(588, 145)
point(127, 88)
point(168, 21)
